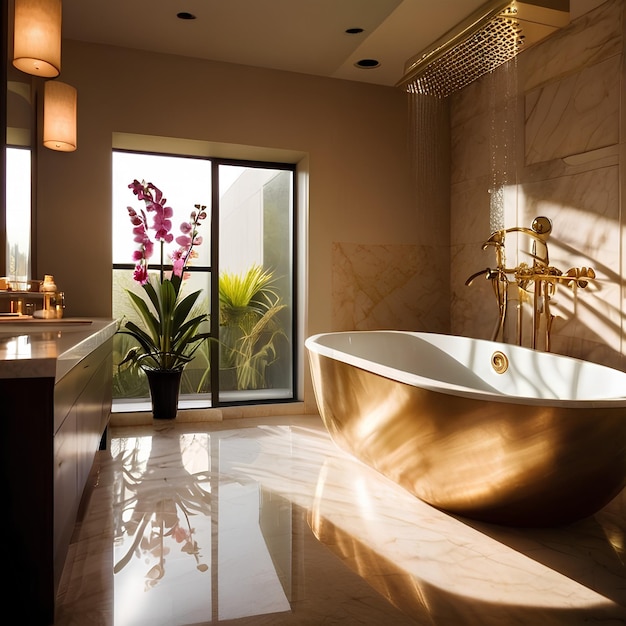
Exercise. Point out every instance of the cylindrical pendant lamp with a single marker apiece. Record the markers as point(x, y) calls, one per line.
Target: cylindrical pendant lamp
point(59, 116)
point(37, 37)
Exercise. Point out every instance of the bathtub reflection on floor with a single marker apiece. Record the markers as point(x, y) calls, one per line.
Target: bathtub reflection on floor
point(448, 571)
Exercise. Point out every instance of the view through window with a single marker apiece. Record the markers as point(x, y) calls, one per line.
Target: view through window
point(243, 267)
point(18, 210)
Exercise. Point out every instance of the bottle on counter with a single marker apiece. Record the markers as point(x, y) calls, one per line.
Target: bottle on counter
point(48, 283)
point(49, 305)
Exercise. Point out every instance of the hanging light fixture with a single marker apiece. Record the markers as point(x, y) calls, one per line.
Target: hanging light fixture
point(59, 116)
point(37, 37)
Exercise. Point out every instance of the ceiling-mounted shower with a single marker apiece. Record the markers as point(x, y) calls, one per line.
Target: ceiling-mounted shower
point(489, 37)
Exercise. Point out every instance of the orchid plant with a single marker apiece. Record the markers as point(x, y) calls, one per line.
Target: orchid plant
point(170, 337)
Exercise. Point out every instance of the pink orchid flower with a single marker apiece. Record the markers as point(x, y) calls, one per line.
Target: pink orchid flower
point(161, 226)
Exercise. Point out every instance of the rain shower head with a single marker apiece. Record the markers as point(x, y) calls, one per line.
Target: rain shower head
point(489, 37)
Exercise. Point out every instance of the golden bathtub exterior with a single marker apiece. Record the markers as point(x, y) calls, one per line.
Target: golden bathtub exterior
point(500, 462)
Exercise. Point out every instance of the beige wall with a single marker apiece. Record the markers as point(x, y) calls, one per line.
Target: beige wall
point(350, 140)
point(549, 126)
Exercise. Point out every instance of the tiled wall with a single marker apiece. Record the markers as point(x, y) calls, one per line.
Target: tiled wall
point(387, 286)
point(546, 130)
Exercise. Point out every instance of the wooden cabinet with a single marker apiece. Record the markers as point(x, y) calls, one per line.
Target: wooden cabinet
point(50, 435)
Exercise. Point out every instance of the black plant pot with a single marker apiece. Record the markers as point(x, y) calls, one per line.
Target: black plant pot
point(164, 389)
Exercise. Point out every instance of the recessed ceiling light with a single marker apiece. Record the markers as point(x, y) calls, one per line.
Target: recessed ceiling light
point(183, 15)
point(354, 31)
point(367, 64)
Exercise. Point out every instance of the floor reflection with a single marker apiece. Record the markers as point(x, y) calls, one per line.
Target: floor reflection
point(448, 571)
point(161, 518)
point(270, 523)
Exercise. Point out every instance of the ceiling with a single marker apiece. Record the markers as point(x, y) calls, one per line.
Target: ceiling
point(306, 36)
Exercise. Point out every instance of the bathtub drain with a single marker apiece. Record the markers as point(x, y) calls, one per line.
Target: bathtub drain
point(499, 362)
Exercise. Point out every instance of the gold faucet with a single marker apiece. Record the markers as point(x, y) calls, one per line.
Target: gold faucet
point(538, 281)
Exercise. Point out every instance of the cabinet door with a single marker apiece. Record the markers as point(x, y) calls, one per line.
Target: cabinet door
point(94, 406)
point(66, 493)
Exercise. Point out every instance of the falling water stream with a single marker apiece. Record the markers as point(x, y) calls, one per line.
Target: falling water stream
point(428, 143)
point(431, 147)
point(430, 136)
point(502, 85)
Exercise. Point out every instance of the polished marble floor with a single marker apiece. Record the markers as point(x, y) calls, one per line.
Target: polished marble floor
point(263, 521)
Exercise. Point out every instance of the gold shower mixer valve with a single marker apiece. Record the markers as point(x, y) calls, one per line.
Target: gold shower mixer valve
point(579, 276)
point(536, 284)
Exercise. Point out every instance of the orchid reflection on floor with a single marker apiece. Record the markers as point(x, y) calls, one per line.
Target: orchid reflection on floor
point(264, 521)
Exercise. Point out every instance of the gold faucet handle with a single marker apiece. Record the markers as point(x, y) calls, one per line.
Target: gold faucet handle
point(577, 276)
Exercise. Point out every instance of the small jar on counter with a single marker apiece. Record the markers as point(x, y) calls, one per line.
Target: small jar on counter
point(49, 289)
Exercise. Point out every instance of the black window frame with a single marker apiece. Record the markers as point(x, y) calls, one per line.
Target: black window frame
point(213, 270)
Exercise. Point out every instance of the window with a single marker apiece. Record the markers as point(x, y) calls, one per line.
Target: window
point(244, 268)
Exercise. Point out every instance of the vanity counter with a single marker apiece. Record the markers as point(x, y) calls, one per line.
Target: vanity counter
point(37, 348)
point(55, 390)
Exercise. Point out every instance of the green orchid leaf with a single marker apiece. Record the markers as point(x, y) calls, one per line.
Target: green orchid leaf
point(184, 309)
point(144, 340)
point(148, 317)
point(193, 324)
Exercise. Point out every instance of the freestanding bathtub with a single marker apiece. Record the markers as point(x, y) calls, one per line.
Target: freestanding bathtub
point(490, 431)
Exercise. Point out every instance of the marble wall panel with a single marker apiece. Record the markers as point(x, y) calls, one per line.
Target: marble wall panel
point(585, 211)
point(486, 110)
point(396, 286)
point(473, 310)
point(587, 101)
point(469, 118)
point(588, 40)
point(470, 221)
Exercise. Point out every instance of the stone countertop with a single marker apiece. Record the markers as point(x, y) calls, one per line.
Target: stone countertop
point(33, 348)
